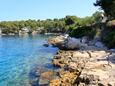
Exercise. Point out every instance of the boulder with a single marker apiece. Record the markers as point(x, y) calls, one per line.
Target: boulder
point(68, 77)
point(56, 40)
point(84, 39)
point(65, 43)
point(55, 82)
point(99, 44)
point(98, 54)
point(73, 65)
point(111, 23)
point(112, 50)
point(81, 55)
point(45, 45)
point(73, 43)
point(112, 83)
point(58, 63)
point(47, 74)
point(99, 69)
point(45, 77)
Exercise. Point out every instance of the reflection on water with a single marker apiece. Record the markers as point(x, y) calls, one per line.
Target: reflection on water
point(21, 54)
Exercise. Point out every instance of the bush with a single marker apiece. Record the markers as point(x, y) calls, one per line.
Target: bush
point(82, 31)
point(8, 30)
point(109, 40)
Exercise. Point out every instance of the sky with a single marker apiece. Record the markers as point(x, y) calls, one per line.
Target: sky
point(11, 10)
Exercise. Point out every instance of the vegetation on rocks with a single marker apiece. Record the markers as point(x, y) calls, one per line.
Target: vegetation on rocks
point(91, 64)
point(49, 25)
point(81, 31)
point(109, 40)
point(72, 25)
point(108, 6)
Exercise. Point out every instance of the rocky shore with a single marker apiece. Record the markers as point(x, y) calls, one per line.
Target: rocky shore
point(82, 62)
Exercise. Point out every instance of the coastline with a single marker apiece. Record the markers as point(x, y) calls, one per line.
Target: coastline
point(88, 65)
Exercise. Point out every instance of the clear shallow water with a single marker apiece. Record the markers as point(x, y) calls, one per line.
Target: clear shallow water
point(18, 55)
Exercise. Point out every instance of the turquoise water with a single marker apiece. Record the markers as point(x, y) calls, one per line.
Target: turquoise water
point(19, 55)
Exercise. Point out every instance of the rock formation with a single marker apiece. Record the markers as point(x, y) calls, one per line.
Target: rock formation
point(91, 65)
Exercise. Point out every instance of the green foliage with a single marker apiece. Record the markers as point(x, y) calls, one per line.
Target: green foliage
point(81, 31)
point(69, 20)
point(108, 6)
point(90, 20)
point(97, 17)
point(56, 25)
point(87, 21)
point(52, 26)
point(109, 40)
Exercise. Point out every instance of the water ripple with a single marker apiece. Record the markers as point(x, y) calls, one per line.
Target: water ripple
point(19, 56)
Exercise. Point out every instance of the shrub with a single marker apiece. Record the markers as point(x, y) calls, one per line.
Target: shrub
point(109, 40)
point(81, 31)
